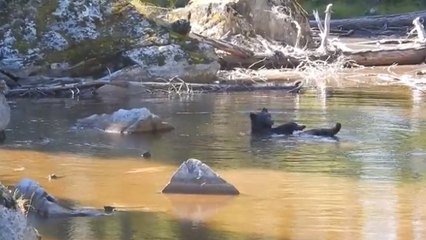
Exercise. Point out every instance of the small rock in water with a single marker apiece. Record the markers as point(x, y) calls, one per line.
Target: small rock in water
point(109, 209)
point(195, 177)
point(53, 176)
point(146, 155)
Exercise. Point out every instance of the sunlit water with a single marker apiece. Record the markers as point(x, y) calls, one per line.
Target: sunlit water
point(368, 184)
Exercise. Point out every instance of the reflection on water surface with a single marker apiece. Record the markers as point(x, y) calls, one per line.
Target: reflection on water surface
point(368, 184)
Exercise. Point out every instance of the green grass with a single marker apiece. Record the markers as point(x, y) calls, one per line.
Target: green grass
point(349, 8)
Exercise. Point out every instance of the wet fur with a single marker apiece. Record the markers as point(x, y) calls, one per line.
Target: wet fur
point(262, 124)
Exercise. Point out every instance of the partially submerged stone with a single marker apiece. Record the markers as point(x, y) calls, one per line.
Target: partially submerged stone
point(137, 120)
point(195, 177)
point(45, 205)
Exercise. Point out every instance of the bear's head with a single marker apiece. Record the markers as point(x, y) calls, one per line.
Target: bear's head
point(261, 121)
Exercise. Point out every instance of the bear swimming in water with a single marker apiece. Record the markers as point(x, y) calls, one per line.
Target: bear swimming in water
point(262, 124)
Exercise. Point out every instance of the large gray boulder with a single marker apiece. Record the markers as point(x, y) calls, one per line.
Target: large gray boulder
point(91, 38)
point(195, 177)
point(253, 24)
point(137, 120)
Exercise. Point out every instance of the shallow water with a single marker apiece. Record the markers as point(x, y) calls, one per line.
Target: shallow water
point(368, 184)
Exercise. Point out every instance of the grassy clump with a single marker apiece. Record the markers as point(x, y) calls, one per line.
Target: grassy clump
point(349, 8)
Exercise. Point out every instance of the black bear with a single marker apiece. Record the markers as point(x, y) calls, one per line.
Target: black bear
point(261, 124)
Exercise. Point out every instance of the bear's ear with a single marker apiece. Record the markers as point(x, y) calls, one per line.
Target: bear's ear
point(252, 116)
point(264, 110)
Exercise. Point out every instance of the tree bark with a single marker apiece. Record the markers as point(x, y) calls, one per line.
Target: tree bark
point(375, 23)
point(213, 87)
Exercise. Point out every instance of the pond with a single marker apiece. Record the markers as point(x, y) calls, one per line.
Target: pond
point(368, 184)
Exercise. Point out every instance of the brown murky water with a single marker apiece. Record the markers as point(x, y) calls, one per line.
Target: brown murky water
point(368, 184)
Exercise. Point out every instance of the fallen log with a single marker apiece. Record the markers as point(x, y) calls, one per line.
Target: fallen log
point(277, 59)
point(414, 52)
point(397, 23)
point(247, 77)
point(379, 57)
point(224, 46)
point(75, 89)
point(212, 87)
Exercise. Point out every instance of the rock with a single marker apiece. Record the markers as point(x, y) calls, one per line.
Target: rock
point(138, 120)
point(157, 61)
point(13, 223)
point(43, 204)
point(4, 110)
point(14, 226)
point(181, 26)
point(6, 198)
point(146, 155)
point(195, 177)
point(109, 209)
point(248, 23)
point(90, 38)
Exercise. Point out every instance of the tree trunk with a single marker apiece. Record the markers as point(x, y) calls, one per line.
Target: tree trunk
point(394, 22)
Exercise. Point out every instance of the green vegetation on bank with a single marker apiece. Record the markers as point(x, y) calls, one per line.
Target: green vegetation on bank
point(350, 8)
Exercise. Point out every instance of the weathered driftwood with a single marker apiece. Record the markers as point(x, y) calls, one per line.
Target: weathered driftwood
point(412, 53)
point(400, 54)
point(277, 59)
point(247, 77)
point(224, 46)
point(396, 23)
point(214, 87)
point(419, 28)
point(379, 57)
point(73, 88)
point(387, 41)
point(325, 30)
point(415, 80)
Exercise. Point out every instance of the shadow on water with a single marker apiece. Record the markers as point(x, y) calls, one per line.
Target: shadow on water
point(135, 225)
point(187, 221)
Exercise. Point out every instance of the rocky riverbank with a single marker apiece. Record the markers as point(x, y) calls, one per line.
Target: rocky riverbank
point(68, 49)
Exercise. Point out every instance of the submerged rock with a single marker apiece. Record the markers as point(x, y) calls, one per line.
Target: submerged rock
point(195, 177)
point(138, 120)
